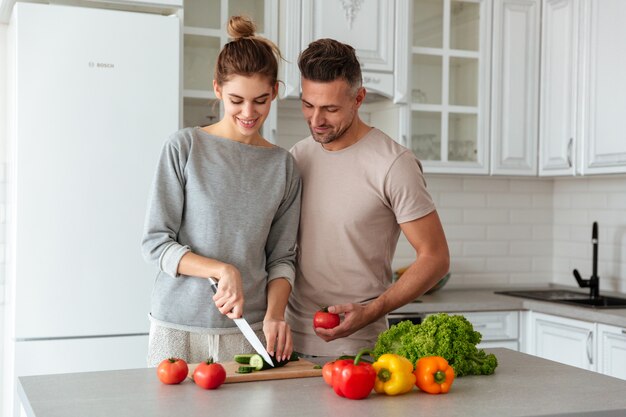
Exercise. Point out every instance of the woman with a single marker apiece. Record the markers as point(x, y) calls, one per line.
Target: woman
point(225, 204)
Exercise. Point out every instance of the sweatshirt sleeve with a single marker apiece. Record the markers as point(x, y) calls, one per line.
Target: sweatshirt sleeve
point(281, 243)
point(165, 209)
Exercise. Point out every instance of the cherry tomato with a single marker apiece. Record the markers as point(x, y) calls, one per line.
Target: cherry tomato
point(326, 320)
point(209, 375)
point(172, 371)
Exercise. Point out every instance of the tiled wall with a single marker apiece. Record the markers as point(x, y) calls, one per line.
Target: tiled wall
point(578, 202)
point(499, 230)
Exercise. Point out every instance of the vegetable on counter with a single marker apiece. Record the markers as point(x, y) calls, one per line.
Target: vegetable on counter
point(433, 375)
point(451, 337)
point(172, 371)
point(209, 374)
point(394, 374)
point(325, 319)
point(353, 379)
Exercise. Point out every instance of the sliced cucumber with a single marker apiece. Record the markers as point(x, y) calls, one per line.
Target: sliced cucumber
point(294, 357)
point(245, 369)
point(257, 362)
point(243, 358)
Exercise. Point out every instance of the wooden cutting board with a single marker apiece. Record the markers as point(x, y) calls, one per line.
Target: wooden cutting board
point(295, 369)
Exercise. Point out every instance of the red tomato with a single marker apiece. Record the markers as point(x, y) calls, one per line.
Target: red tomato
point(209, 375)
point(326, 320)
point(172, 371)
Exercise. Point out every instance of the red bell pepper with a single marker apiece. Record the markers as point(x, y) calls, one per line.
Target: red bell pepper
point(354, 379)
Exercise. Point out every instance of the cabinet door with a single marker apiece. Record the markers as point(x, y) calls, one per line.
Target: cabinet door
point(559, 82)
point(612, 351)
point(563, 340)
point(515, 87)
point(450, 84)
point(367, 25)
point(498, 328)
point(604, 86)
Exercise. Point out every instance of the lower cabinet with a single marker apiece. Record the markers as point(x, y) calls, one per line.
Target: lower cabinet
point(612, 350)
point(563, 340)
point(499, 328)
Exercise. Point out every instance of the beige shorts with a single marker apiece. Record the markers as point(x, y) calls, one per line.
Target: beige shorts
point(165, 342)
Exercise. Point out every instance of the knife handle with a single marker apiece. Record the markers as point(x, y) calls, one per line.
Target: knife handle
point(213, 284)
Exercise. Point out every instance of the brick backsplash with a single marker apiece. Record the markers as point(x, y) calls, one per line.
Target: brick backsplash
point(498, 229)
point(578, 202)
point(510, 231)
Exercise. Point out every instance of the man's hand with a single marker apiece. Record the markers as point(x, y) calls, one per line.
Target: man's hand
point(356, 316)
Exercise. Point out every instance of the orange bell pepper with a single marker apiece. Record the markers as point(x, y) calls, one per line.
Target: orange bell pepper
point(433, 375)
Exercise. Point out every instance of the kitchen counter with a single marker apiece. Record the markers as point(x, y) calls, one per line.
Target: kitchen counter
point(523, 385)
point(452, 301)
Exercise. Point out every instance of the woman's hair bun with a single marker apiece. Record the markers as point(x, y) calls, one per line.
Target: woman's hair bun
point(241, 27)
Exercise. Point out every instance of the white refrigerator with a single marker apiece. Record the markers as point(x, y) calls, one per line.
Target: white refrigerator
point(93, 95)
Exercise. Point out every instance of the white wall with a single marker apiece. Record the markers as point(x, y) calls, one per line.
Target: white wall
point(3, 132)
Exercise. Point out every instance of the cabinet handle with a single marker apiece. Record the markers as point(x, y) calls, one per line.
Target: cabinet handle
point(570, 145)
point(589, 357)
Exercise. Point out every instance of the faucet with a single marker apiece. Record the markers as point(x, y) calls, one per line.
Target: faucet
point(594, 281)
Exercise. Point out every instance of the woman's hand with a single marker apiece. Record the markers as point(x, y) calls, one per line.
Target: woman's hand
point(278, 336)
point(229, 296)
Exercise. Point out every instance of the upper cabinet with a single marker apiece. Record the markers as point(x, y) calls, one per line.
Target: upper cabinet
point(583, 89)
point(373, 27)
point(604, 86)
point(449, 67)
point(559, 117)
point(204, 30)
point(515, 87)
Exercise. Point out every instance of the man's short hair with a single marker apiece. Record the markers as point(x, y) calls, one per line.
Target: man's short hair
point(326, 60)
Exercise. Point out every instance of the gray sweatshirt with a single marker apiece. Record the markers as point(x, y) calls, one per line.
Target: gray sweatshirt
point(225, 200)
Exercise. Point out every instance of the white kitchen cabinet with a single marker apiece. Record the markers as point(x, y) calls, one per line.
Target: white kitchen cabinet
point(375, 28)
point(450, 64)
point(204, 35)
point(583, 89)
point(612, 350)
point(515, 87)
point(559, 87)
point(563, 340)
point(604, 86)
point(498, 328)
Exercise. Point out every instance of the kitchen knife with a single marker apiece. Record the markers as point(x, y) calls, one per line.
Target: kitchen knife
point(247, 331)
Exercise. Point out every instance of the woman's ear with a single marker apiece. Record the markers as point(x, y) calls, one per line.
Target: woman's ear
point(217, 90)
point(275, 91)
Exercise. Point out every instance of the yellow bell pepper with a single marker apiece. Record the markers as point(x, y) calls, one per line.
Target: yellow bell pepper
point(394, 374)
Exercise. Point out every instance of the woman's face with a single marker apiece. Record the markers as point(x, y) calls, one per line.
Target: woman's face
point(247, 102)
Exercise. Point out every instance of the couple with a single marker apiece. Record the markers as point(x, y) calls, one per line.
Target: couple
point(228, 204)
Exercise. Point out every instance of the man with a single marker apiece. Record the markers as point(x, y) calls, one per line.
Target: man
point(360, 189)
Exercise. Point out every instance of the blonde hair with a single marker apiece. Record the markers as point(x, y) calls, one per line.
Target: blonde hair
point(246, 54)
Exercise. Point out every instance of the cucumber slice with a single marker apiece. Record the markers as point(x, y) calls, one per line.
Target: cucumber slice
point(257, 362)
point(243, 358)
point(245, 369)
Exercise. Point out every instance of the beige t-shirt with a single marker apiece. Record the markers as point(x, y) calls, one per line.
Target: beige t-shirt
point(353, 201)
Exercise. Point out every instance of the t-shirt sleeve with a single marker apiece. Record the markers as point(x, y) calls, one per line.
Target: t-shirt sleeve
point(405, 189)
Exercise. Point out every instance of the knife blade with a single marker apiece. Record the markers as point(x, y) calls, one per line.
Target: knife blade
point(247, 331)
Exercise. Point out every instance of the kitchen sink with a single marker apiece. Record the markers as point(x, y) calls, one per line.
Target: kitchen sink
point(569, 297)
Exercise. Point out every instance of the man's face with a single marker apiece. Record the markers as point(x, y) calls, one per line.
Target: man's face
point(330, 108)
